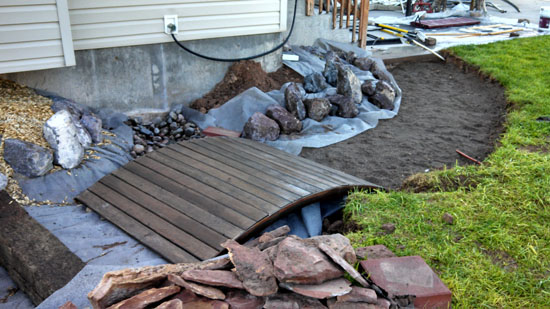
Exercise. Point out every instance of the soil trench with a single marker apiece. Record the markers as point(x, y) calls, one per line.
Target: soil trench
point(443, 109)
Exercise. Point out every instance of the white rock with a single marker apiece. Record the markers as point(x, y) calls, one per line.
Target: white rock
point(3, 181)
point(61, 133)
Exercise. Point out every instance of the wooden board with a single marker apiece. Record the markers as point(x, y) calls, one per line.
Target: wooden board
point(445, 22)
point(184, 200)
point(35, 259)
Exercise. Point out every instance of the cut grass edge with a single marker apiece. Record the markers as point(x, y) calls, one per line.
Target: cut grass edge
point(497, 251)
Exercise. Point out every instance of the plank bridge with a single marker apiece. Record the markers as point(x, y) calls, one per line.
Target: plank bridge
point(184, 200)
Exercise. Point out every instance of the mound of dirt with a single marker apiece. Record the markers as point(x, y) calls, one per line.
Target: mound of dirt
point(443, 109)
point(242, 76)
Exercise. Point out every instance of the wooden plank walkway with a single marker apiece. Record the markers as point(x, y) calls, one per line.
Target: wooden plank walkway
point(186, 199)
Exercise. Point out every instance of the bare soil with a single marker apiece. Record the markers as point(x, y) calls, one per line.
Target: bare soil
point(444, 108)
point(242, 76)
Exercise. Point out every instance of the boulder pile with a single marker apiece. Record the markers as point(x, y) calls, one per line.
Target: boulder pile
point(272, 271)
point(337, 91)
point(161, 131)
point(69, 132)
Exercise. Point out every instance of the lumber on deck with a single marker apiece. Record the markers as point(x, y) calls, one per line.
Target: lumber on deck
point(184, 200)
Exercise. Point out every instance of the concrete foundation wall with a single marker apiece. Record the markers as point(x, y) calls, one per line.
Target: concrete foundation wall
point(152, 78)
point(148, 78)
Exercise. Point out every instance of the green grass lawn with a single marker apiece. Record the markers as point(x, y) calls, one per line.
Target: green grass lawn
point(496, 253)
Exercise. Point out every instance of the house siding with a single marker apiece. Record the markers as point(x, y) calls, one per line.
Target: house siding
point(116, 23)
point(43, 34)
point(31, 35)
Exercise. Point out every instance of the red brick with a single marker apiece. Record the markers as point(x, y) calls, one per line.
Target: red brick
point(409, 275)
point(214, 131)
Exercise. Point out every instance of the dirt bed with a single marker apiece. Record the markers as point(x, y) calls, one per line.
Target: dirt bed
point(443, 109)
point(242, 76)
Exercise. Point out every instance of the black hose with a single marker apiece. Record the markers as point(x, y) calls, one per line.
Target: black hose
point(243, 58)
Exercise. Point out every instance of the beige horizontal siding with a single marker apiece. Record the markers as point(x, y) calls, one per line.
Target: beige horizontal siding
point(25, 2)
point(29, 50)
point(159, 38)
point(112, 23)
point(36, 34)
point(29, 32)
point(12, 15)
point(31, 35)
point(87, 4)
point(32, 64)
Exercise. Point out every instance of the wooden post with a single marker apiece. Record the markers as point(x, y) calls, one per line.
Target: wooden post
point(328, 6)
point(361, 5)
point(334, 6)
point(365, 22)
point(321, 6)
point(310, 6)
point(342, 13)
point(408, 9)
point(348, 10)
point(354, 24)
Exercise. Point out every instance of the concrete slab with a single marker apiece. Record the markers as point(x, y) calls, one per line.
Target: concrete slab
point(409, 276)
point(529, 10)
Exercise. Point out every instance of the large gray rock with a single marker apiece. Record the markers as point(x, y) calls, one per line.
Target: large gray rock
point(364, 63)
point(67, 105)
point(62, 135)
point(82, 134)
point(27, 158)
point(384, 95)
point(286, 121)
point(369, 87)
point(331, 68)
point(346, 106)
point(293, 101)
point(315, 82)
point(301, 263)
point(317, 109)
point(110, 119)
point(261, 128)
point(378, 70)
point(349, 85)
point(76, 110)
point(93, 125)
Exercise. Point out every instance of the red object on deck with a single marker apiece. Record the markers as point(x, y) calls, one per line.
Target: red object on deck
point(445, 22)
point(214, 131)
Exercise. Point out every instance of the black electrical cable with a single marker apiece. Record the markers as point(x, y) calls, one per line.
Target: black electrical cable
point(243, 58)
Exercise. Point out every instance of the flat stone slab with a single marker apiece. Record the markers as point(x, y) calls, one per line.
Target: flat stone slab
point(214, 277)
point(409, 275)
point(327, 289)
